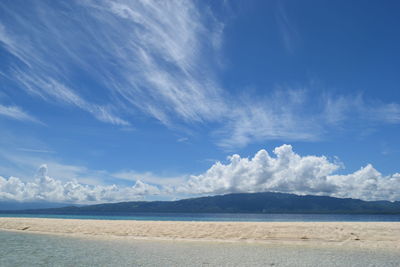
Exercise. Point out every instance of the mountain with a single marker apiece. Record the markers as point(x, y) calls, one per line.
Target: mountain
point(15, 205)
point(267, 202)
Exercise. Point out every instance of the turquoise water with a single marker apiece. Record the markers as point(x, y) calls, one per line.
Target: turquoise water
point(224, 217)
point(25, 249)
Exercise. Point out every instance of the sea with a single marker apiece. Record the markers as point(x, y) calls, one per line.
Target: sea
point(29, 249)
point(224, 217)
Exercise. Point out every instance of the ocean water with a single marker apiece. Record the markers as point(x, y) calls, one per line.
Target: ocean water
point(245, 217)
point(25, 249)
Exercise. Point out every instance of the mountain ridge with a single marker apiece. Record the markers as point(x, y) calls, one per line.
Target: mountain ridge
point(265, 202)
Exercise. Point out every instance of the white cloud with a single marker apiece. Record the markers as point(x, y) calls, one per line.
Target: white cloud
point(289, 33)
point(35, 150)
point(53, 91)
point(281, 115)
point(23, 165)
point(389, 113)
point(367, 183)
point(151, 178)
point(289, 172)
point(45, 188)
point(340, 109)
point(182, 140)
point(16, 113)
point(289, 114)
point(143, 54)
point(165, 71)
point(160, 57)
point(285, 172)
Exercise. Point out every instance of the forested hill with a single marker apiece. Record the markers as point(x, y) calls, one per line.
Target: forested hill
point(238, 203)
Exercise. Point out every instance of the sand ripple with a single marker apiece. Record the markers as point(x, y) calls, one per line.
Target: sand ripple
point(384, 235)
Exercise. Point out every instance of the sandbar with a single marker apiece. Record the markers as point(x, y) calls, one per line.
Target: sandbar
point(371, 235)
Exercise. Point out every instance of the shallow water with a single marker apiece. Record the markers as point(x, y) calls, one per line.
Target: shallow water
point(224, 217)
point(25, 249)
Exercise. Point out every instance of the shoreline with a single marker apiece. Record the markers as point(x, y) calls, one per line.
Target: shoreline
point(366, 235)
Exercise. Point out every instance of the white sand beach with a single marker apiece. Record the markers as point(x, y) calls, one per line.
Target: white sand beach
point(374, 235)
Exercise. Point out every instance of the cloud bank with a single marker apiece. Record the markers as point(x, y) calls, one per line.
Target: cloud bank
point(284, 171)
point(45, 188)
point(289, 172)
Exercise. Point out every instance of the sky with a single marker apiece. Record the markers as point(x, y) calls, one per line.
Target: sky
point(105, 101)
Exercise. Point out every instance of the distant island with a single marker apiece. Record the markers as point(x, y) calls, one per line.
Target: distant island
point(267, 202)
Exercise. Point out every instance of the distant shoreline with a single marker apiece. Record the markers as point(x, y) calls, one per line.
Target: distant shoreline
point(217, 217)
point(371, 235)
point(235, 203)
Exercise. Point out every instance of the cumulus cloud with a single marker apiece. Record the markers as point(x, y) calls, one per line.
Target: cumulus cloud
point(285, 171)
point(45, 188)
point(289, 172)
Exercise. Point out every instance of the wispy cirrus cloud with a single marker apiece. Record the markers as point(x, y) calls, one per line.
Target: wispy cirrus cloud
point(139, 54)
point(167, 71)
point(289, 33)
point(344, 108)
point(301, 115)
point(16, 113)
point(283, 114)
point(118, 59)
point(55, 92)
point(35, 150)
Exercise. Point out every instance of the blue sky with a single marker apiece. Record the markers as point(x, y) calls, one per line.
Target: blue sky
point(143, 99)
